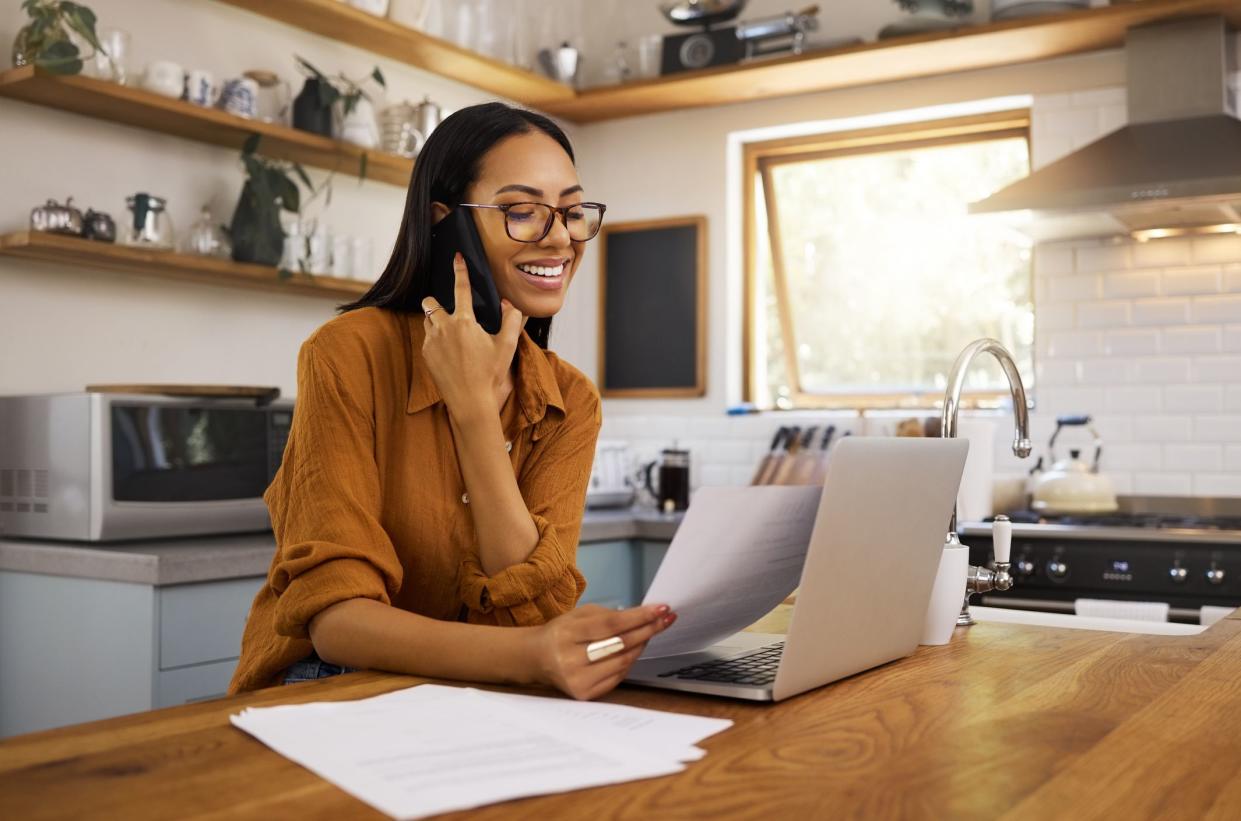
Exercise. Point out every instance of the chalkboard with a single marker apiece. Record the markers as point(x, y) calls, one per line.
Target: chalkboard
point(653, 308)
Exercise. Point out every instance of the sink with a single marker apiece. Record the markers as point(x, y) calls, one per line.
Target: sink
point(1037, 618)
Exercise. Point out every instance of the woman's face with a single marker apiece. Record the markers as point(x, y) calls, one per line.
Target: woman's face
point(529, 167)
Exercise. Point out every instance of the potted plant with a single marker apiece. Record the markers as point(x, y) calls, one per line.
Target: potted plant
point(46, 41)
point(255, 230)
point(340, 103)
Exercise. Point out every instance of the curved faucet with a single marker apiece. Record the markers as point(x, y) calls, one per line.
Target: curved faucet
point(982, 579)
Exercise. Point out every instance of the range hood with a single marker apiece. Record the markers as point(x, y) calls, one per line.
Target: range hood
point(1174, 169)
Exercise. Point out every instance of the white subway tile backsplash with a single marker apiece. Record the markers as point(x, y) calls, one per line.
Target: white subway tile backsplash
point(1053, 260)
point(1163, 428)
point(1232, 278)
point(1054, 399)
point(1232, 457)
point(1194, 280)
point(1131, 342)
point(1107, 257)
point(1110, 371)
point(1049, 149)
point(1232, 399)
point(1160, 311)
point(740, 475)
point(1129, 284)
point(1075, 288)
point(1145, 399)
point(1132, 456)
point(1162, 370)
point(1219, 248)
point(1058, 372)
point(1193, 458)
point(716, 475)
point(1191, 340)
point(1217, 429)
point(1217, 484)
point(1217, 369)
point(1193, 398)
point(1109, 314)
point(1221, 308)
point(1232, 338)
point(1162, 484)
point(1097, 97)
point(1074, 343)
point(1112, 117)
point(1122, 483)
point(1162, 253)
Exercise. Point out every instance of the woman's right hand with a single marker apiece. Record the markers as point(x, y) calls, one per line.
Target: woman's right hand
point(562, 644)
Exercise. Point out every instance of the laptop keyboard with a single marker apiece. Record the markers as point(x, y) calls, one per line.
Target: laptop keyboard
point(755, 668)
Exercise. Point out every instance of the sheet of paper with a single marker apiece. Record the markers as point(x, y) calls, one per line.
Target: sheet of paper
point(737, 554)
point(433, 749)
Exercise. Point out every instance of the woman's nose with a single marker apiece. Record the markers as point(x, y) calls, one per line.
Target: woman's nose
point(558, 235)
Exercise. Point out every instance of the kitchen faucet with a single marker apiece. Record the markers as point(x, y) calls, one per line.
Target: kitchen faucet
point(983, 579)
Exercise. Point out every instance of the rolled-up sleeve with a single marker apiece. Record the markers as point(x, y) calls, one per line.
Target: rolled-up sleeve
point(553, 483)
point(325, 502)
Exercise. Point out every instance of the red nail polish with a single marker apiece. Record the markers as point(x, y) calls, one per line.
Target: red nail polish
point(669, 619)
point(661, 609)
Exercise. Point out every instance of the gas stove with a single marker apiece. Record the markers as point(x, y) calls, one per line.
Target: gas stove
point(1185, 552)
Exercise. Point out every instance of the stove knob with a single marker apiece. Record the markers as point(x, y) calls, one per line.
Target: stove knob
point(1024, 567)
point(1057, 569)
point(1215, 575)
point(1178, 574)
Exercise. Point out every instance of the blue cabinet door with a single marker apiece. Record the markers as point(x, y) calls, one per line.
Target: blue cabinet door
point(610, 571)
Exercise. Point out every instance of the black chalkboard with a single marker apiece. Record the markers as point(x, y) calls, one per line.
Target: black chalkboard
point(652, 311)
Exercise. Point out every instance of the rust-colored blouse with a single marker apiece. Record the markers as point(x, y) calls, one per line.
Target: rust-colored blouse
point(369, 500)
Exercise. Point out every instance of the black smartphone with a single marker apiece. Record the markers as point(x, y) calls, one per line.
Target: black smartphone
point(457, 232)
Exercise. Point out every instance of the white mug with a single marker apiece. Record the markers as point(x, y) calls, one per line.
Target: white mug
point(201, 88)
point(240, 97)
point(947, 595)
point(164, 77)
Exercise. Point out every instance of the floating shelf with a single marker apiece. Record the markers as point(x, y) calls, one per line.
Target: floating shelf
point(344, 23)
point(85, 253)
point(144, 109)
point(899, 58)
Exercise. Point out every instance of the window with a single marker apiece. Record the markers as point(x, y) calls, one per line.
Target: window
point(865, 274)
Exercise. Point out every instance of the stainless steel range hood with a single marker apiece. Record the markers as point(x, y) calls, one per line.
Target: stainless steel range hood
point(1175, 168)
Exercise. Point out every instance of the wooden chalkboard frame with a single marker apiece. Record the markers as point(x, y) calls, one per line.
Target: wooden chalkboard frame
point(699, 388)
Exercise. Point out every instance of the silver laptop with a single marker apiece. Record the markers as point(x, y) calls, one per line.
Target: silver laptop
point(865, 584)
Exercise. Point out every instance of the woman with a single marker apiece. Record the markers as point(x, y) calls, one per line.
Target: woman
point(429, 503)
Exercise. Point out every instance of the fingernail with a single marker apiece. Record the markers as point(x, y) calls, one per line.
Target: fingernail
point(669, 619)
point(661, 609)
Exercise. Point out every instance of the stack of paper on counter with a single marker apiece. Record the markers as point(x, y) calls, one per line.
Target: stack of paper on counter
point(431, 749)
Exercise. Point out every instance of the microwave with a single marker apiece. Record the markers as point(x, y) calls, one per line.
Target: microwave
point(100, 467)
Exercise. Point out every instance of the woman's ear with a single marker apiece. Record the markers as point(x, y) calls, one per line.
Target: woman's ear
point(439, 211)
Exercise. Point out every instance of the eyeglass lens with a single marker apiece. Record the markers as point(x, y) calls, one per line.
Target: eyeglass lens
point(531, 221)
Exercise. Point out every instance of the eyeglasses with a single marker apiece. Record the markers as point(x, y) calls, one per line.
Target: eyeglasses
point(531, 221)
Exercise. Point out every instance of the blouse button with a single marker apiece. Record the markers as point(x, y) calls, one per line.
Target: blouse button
point(508, 447)
point(465, 498)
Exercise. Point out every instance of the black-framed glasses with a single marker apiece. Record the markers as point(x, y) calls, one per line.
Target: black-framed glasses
point(531, 221)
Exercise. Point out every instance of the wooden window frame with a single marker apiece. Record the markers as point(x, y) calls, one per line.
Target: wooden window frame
point(759, 158)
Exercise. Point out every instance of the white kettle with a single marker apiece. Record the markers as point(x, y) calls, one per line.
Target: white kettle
point(1071, 485)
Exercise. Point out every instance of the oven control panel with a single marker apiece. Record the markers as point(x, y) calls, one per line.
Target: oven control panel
point(1190, 573)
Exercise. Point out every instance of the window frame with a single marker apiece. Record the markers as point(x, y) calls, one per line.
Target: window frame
point(758, 158)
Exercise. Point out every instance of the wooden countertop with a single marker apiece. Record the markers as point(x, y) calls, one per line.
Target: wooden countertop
point(1005, 720)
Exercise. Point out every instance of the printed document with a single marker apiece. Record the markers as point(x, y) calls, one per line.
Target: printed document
point(431, 749)
point(738, 553)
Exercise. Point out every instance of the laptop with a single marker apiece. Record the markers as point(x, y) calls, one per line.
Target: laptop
point(864, 588)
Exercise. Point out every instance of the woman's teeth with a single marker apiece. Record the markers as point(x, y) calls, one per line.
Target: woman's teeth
point(539, 270)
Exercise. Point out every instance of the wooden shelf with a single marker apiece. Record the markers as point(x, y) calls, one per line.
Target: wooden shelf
point(85, 253)
point(379, 35)
point(144, 109)
point(898, 58)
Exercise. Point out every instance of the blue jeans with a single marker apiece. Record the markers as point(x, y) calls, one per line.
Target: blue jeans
point(312, 667)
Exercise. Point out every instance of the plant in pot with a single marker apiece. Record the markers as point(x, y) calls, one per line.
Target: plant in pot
point(255, 230)
point(47, 40)
point(338, 106)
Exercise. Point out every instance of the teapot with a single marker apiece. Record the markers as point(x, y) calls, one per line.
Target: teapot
point(1072, 485)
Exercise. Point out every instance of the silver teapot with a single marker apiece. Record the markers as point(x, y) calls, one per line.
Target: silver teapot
point(56, 218)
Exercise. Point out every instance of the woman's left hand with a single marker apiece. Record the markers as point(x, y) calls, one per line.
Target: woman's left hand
point(470, 366)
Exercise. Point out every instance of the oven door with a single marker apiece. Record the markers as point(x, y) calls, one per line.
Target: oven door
point(167, 466)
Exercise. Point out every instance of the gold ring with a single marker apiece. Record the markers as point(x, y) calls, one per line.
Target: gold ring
point(598, 650)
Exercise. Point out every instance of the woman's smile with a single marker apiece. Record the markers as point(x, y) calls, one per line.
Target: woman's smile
point(547, 273)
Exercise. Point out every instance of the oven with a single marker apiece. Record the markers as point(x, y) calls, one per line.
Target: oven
point(1184, 553)
point(110, 466)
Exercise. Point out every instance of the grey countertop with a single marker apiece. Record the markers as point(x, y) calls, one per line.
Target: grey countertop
point(213, 558)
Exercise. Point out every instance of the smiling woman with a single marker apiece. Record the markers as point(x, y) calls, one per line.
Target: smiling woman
point(429, 502)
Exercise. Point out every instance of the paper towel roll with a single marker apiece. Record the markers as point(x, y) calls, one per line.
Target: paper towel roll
point(974, 500)
point(1211, 614)
point(1112, 609)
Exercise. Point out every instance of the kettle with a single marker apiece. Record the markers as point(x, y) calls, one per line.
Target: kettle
point(1071, 485)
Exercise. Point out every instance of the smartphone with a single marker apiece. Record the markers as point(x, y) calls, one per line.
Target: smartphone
point(457, 232)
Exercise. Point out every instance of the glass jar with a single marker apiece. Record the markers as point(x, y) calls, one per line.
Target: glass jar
point(207, 238)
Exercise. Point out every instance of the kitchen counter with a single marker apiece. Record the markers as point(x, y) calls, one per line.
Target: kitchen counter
point(1006, 720)
point(213, 558)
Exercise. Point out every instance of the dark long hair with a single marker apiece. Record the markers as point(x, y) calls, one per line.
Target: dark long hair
point(447, 165)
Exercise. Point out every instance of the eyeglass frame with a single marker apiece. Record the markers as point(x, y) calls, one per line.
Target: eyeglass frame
point(547, 229)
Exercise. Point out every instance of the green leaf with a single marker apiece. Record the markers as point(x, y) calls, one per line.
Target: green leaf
point(59, 57)
point(379, 78)
point(82, 20)
point(251, 144)
point(362, 163)
point(28, 6)
point(284, 273)
point(301, 61)
point(286, 190)
point(351, 102)
point(303, 176)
